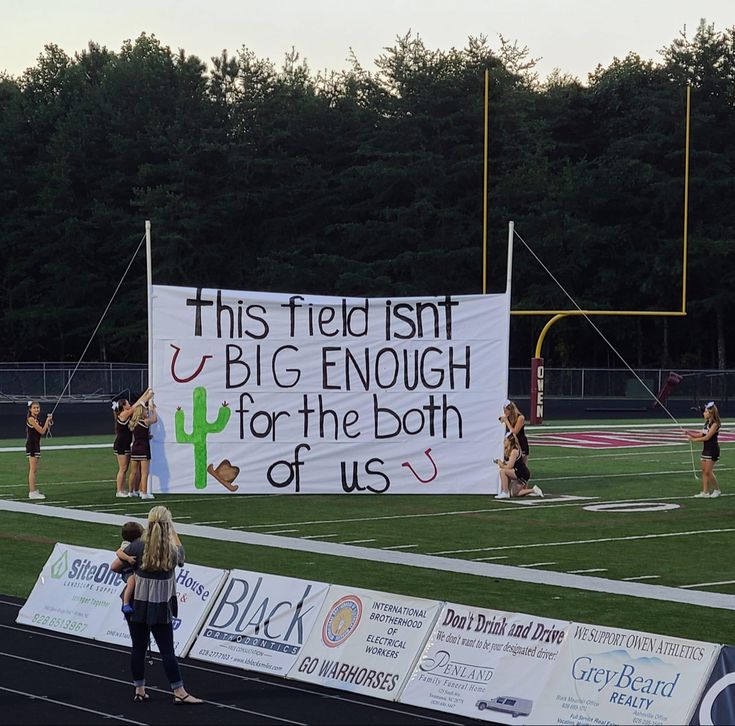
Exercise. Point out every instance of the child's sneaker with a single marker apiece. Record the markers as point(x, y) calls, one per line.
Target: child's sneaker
point(127, 609)
point(35, 494)
point(121, 495)
point(146, 495)
point(701, 495)
point(715, 493)
point(502, 495)
point(537, 491)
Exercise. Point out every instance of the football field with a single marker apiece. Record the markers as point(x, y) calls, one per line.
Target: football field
point(616, 540)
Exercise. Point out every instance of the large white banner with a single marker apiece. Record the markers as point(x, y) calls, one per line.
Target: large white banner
point(75, 592)
point(274, 393)
point(260, 622)
point(486, 664)
point(197, 586)
point(613, 676)
point(365, 641)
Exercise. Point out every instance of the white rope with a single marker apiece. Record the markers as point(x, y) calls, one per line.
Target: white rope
point(611, 346)
point(89, 342)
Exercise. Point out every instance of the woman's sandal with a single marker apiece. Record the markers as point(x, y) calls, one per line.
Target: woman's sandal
point(140, 697)
point(187, 700)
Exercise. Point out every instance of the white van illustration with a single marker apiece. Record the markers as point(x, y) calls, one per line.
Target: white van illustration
point(507, 704)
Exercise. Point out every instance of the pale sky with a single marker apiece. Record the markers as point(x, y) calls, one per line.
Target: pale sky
point(572, 35)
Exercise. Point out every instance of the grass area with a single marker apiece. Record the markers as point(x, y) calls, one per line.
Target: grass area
point(678, 547)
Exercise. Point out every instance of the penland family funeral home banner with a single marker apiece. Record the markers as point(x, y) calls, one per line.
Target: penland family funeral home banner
point(272, 393)
point(486, 664)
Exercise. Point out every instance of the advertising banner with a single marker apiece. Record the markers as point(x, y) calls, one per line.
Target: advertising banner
point(717, 704)
point(486, 664)
point(273, 393)
point(75, 592)
point(260, 622)
point(197, 587)
point(365, 641)
point(613, 676)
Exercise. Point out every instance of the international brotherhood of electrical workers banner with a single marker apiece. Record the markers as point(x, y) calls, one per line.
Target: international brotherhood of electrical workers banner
point(365, 641)
point(272, 393)
point(615, 676)
point(486, 664)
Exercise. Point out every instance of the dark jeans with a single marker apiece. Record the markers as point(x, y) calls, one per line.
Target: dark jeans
point(164, 635)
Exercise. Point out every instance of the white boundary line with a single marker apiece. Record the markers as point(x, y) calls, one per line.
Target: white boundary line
point(394, 557)
point(66, 704)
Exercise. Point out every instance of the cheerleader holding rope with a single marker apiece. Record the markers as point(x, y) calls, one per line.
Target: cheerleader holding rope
point(34, 432)
point(710, 450)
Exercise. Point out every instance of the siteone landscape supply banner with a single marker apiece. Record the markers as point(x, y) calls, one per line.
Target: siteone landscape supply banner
point(486, 664)
point(612, 676)
point(365, 641)
point(75, 592)
point(272, 393)
point(260, 622)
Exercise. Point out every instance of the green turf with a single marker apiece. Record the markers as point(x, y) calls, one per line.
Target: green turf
point(563, 534)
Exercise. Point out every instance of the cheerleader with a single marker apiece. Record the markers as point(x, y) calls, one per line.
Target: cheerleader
point(34, 431)
point(122, 410)
point(514, 472)
point(710, 450)
point(143, 416)
point(515, 423)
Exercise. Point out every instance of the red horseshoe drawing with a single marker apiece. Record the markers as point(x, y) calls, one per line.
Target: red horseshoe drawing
point(413, 471)
point(194, 374)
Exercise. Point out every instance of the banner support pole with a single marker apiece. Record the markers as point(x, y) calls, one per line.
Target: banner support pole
point(149, 291)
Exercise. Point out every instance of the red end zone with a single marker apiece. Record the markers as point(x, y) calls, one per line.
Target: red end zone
point(619, 439)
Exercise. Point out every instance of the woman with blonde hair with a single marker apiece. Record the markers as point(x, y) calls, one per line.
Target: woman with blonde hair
point(157, 554)
point(710, 450)
point(143, 417)
point(122, 410)
point(515, 423)
point(514, 473)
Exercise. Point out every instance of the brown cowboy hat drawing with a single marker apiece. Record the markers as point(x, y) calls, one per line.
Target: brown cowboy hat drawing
point(225, 474)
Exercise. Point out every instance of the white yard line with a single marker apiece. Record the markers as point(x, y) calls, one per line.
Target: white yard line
point(400, 547)
point(216, 521)
point(708, 584)
point(592, 569)
point(567, 543)
point(641, 577)
point(537, 564)
point(410, 559)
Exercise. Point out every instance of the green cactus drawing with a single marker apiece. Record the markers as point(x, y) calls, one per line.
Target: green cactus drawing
point(200, 428)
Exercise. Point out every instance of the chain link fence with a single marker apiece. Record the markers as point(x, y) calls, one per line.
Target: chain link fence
point(51, 381)
point(104, 381)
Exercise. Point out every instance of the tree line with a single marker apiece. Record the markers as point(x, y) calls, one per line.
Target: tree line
point(371, 183)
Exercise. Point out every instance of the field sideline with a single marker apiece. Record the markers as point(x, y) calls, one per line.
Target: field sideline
point(617, 525)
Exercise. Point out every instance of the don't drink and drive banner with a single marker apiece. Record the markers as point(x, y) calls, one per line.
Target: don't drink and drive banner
point(272, 393)
point(615, 676)
point(486, 664)
point(78, 593)
point(365, 641)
